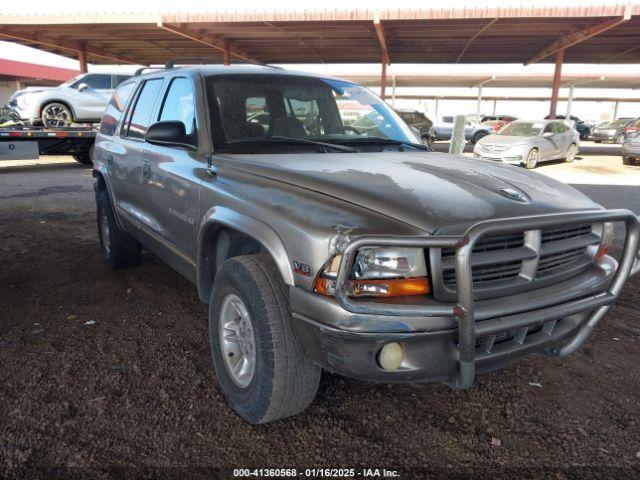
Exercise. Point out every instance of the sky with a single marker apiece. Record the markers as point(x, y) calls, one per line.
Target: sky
point(589, 110)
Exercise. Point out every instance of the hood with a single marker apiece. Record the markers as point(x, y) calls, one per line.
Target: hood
point(424, 189)
point(607, 126)
point(31, 90)
point(506, 140)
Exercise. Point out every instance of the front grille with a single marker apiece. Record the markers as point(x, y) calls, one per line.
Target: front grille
point(519, 259)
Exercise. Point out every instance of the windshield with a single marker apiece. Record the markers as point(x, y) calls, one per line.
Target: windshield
point(253, 108)
point(522, 129)
point(618, 123)
point(71, 81)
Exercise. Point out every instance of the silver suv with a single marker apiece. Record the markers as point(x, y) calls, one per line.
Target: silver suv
point(81, 99)
point(320, 246)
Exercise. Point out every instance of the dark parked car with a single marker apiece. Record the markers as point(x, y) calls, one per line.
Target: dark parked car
point(631, 149)
point(631, 130)
point(612, 131)
point(419, 121)
point(583, 129)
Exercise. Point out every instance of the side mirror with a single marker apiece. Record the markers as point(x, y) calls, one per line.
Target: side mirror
point(170, 133)
point(547, 134)
point(82, 87)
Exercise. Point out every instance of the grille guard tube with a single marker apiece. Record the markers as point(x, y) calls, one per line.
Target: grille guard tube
point(463, 310)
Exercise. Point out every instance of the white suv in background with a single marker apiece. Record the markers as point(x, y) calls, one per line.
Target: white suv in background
point(82, 99)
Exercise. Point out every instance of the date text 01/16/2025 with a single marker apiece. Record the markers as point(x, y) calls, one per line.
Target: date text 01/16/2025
point(316, 473)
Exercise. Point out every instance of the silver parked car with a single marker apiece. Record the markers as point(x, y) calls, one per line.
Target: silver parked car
point(530, 142)
point(320, 245)
point(631, 149)
point(612, 131)
point(81, 99)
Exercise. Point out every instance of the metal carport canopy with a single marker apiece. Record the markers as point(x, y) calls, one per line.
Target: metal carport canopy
point(593, 33)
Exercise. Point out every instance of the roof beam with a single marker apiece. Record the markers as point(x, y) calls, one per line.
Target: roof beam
point(621, 54)
point(382, 40)
point(194, 36)
point(580, 36)
point(483, 81)
point(300, 40)
point(476, 35)
point(66, 45)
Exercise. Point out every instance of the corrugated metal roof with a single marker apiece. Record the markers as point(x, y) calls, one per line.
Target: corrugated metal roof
point(11, 68)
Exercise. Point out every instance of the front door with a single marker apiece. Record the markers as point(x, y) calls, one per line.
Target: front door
point(173, 187)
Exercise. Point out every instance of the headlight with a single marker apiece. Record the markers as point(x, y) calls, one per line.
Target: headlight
point(607, 240)
point(380, 272)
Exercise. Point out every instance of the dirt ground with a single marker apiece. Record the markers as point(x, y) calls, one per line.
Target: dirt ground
point(108, 375)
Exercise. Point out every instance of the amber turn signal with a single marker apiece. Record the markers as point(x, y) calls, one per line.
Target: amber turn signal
point(397, 287)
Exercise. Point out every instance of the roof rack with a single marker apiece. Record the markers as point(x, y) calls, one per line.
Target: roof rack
point(142, 69)
point(172, 63)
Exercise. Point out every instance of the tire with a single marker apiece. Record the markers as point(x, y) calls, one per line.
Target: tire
point(628, 161)
point(598, 141)
point(283, 381)
point(83, 158)
point(620, 139)
point(56, 114)
point(119, 249)
point(533, 157)
point(478, 136)
point(571, 153)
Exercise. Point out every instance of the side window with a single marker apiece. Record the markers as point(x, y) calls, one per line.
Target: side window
point(549, 128)
point(141, 115)
point(116, 80)
point(97, 81)
point(115, 108)
point(257, 113)
point(179, 104)
point(559, 127)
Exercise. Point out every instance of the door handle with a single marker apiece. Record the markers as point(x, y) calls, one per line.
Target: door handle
point(146, 172)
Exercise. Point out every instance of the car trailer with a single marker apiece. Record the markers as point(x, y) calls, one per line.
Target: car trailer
point(28, 143)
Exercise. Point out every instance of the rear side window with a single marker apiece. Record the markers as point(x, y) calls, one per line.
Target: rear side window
point(141, 115)
point(97, 81)
point(118, 79)
point(559, 127)
point(115, 108)
point(179, 104)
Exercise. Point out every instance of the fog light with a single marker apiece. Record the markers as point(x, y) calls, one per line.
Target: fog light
point(390, 357)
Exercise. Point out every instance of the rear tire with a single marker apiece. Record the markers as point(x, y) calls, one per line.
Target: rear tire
point(83, 158)
point(282, 381)
point(119, 249)
point(571, 153)
point(628, 161)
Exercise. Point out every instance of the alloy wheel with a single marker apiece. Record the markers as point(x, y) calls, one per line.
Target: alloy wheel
point(237, 340)
point(56, 115)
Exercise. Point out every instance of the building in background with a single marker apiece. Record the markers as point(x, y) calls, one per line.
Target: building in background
point(16, 75)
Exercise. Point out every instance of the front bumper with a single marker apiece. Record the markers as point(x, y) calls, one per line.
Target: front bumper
point(508, 157)
point(452, 342)
point(604, 137)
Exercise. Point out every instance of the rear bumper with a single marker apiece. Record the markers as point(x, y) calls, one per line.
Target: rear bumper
point(452, 342)
point(602, 137)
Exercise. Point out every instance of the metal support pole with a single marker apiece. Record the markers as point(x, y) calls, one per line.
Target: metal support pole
point(393, 91)
point(479, 107)
point(383, 80)
point(495, 105)
point(557, 75)
point(569, 103)
point(456, 144)
point(225, 54)
point(82, 58)
point(615, 109)
point(435, 113)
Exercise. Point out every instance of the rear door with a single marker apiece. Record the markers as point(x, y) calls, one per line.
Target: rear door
point(127, 172)
point(90, 102)
point(173, 186)
point(549, 144)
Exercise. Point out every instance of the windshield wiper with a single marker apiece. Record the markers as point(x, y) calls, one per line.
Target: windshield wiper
point(388, 141)
point(297, 141)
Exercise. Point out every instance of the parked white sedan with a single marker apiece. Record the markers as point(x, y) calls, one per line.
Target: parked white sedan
point(81, 99)
point(529, 142)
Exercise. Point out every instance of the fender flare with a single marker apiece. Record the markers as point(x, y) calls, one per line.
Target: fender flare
point(220, 216)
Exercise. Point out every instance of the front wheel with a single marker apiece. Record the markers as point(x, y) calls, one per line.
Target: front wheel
point(628, 161)
point(478, 136)
point(260, 366)
point(571, 153)
point(532, 159)
point(56, 115)
point(83, 158)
